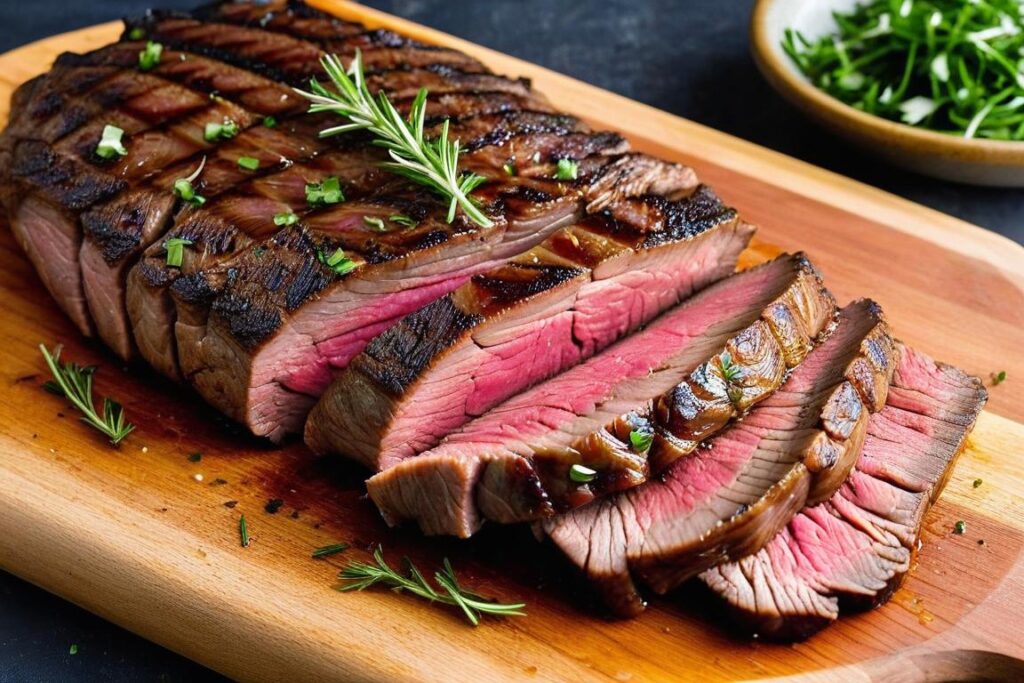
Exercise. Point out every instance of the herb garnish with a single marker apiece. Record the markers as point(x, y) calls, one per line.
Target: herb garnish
point(948, 66)
point(431, 163)
point(273, 505)
point(74, 382)
point(960, 528)
point(337, 261)
point(326, 550)
point(998, 377)
point(730, 370)
point(175, 248)
point(402, 219)
point(375, 222)
point(363, 575)
point(326, 192)
point(248, 163)
point(137, 33)
point(110, 144)
point(243, 531)
point(220, 131)
point(581, 474)
point(567, 169)
point(183, 187)
point(976, 483)
point(287, 218)
point(73, 650)
point(641, 440)
point(149, 57)
point(269, 121)
point(510, 169)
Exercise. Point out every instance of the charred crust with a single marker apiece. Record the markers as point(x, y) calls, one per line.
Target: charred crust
point(249, 324)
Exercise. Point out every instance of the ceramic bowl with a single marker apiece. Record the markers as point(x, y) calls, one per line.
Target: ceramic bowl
point(978, 162)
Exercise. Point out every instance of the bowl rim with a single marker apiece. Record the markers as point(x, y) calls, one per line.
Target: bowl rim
point(785, 75)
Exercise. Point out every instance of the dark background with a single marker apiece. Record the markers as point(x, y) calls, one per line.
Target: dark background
point(690, 58)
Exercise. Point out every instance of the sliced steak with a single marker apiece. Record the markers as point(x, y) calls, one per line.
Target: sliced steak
point(578, 292)
point(728, 499)
point(495, 467)
point(853, 551)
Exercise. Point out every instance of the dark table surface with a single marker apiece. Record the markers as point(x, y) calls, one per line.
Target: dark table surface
point(689, 58)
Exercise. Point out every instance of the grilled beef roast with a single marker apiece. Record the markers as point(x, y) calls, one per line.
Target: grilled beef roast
point(557, 304)
point(515, 463)
point(853, 551)
point(253, 318)
point(729, 498)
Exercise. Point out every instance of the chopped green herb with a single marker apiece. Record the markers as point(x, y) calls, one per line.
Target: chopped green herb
point(998, 377)
point(326, 192)
point(361, 575)
point(243, 531)
point(149, 57)
point(641, 440)
point(976, 483)
point(375, 223)
point(402, 219)
point(137, 33)
point(510, 169)
point(273, 505)
point(337, 261)
point(960, 528)
point(567, 169)
point(73, 650)
point(220, 131)
point(74, 383)
point(195, 457)
point(431, 162)
point(581, 474)
point(288, 218)
point(175, 248)
point(110, 144)
point(952, 67)
point(249, 163)
point(332, 549)
point(183, 187)
point(269, 121)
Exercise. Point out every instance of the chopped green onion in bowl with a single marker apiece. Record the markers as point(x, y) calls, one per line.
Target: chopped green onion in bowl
point(945, 65)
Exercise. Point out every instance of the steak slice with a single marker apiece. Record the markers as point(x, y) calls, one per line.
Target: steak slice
point(494, 466)
point(853, 551)
point(728, 499)
point(458, 357)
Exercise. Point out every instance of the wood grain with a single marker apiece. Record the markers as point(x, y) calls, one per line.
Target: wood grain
point(132, 535)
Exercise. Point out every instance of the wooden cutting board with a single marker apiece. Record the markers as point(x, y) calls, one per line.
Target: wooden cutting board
point(132, 534)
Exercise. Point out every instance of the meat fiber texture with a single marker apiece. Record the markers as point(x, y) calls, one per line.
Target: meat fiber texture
point(495, 467)
point(505, 330)
point(730, 497)
point(852, 551)
point(252, 318)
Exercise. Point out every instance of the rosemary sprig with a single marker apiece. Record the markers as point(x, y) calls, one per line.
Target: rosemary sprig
point(431, 163)
point(74, 382)
point(363, 575)
point(325, 550)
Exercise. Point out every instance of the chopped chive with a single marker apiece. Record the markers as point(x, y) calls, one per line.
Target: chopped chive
point(510, 169)
point(243, 531)
point(960, 528)
point(641, 440)
point(326, 192)
point(110, 144)
point(332, 549)
point(220, 131)
point(184, 189)
point(567, 170)
point(248, 163)
point(149, 57)
point(269, 121)
point(581, 474)
point(375, 223)
point(337, 261)
point(73, 650)
point(998, 377)
point(137, 33)
point(175, 248)
point(287, 218)
point(402, 219)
